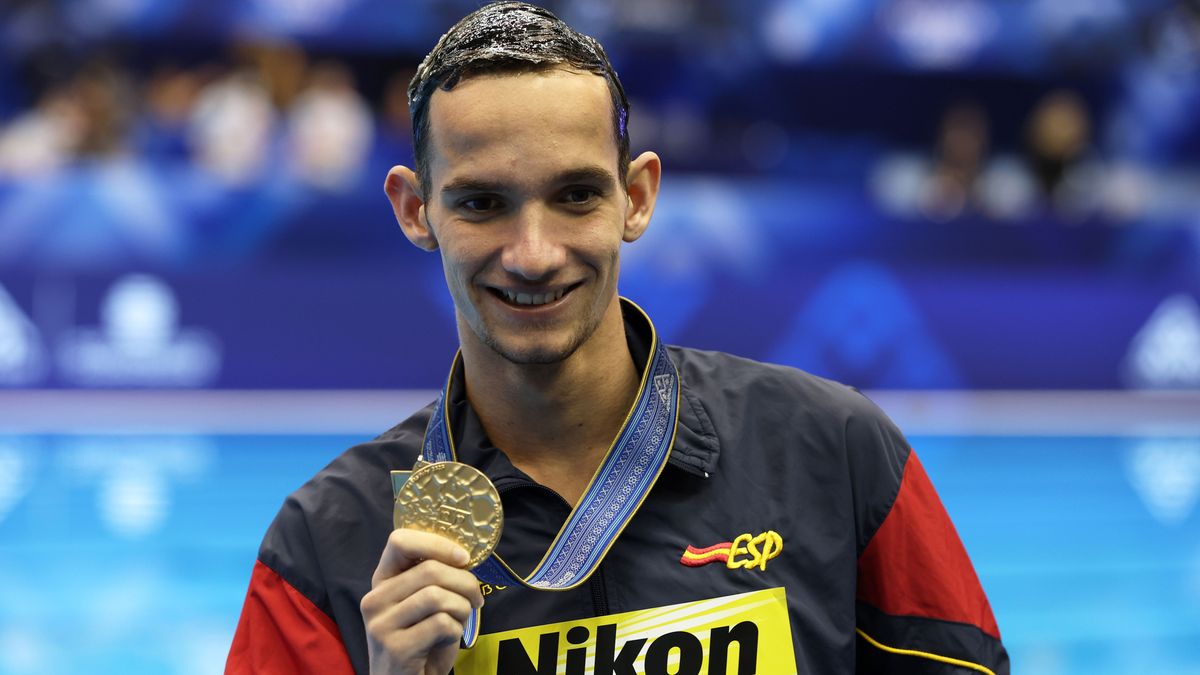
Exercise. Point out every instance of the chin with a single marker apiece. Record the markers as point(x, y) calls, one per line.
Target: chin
point(534, 352)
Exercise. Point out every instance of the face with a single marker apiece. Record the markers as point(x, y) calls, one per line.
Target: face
point(527, 208)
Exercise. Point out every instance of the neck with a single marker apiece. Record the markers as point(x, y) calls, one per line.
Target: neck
point(556, 421)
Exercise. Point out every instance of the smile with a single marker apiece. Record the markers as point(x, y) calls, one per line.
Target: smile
point(531, 299)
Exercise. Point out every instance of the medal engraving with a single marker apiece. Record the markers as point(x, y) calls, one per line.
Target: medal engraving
point(455, 501)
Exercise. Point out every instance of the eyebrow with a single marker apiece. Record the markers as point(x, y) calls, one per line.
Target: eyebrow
point(589, 174)
point(471, 185)
point(584, 174)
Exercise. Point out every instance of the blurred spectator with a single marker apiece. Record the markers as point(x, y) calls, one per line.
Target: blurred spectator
point(964, 175)
point(169, 97)
point(107, 102)
point(1075, 180)
point(231, 125)
point(86, 117)
point(1058, 168)
point(962, 148)
point(263, 106)
point(1058, 136)
point(330, 129)
point(282, 67)
point(44, 138)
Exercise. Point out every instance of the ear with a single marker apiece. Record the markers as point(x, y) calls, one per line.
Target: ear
point(403, 191)
point(644, 175)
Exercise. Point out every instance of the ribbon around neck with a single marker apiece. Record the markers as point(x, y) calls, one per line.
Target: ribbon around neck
point(620, 485)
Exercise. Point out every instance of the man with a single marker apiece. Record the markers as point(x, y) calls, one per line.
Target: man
point(665, 509)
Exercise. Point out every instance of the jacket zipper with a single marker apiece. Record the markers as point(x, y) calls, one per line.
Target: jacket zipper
point(599, 591)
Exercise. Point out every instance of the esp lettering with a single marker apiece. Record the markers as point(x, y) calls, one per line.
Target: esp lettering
point(754, 551)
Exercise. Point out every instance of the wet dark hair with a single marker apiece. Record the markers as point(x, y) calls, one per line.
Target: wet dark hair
point(509, 37)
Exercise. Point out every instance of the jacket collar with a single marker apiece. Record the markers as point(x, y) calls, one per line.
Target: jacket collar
point(696, 446)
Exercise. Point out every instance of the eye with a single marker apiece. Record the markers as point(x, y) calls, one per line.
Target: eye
point(580, 196)
point(480, 204)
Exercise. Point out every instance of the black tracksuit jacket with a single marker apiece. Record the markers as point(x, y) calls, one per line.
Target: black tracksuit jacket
point(874, 576)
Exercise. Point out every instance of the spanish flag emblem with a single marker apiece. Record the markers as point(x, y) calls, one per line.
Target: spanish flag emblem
point(745, 551)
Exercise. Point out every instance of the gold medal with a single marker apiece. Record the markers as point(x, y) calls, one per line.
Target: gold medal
point(453, 500)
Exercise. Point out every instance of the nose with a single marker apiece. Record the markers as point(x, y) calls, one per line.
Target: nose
point(534, 251)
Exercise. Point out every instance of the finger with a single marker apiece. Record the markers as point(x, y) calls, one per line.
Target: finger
point(406, 548)
point(418, 607)
point(424, 574)
point(438, 630)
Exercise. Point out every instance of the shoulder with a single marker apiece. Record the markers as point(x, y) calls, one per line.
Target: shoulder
point(339, 519)
point(799, 424)
point(720, 379)
point(366, 467)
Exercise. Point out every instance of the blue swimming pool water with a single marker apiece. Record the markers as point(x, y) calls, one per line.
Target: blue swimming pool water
point(131, 554)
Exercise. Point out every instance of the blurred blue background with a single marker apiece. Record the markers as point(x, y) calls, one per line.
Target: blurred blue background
point(985, 213)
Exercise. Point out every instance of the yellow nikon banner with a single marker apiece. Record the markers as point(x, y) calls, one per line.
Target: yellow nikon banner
point(745, 633)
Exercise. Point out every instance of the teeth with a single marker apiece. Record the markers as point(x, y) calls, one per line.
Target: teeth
point(533, 298)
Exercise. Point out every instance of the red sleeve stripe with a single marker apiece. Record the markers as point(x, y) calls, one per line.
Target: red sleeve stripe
point(916, 565)
point(281, 631)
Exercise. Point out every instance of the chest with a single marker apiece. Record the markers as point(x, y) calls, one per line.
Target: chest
point(701, 557)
